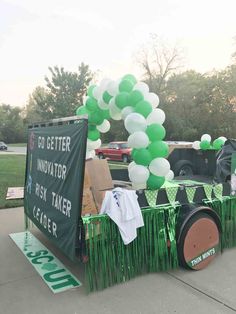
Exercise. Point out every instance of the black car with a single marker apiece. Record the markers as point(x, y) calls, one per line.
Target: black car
point(3, 146)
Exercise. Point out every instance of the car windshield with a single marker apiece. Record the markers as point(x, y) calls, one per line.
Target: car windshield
point(124, 145)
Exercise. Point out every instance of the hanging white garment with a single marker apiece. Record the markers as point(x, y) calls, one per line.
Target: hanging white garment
point(122, 207)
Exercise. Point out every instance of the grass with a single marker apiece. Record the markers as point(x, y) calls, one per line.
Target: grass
point(12, 174)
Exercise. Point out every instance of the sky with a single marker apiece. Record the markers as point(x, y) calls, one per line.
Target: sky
point(107, 36)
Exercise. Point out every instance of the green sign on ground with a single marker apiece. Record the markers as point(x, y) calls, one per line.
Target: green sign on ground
point(53, 272)
point(54, 181)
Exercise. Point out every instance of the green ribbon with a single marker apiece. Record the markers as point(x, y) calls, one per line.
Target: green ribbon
point(171, 225)
point(208, 191)
point(190, 191)
point(151, 197)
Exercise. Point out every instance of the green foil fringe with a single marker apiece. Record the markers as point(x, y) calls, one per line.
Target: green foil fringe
point(226, 209)
point(111, 262)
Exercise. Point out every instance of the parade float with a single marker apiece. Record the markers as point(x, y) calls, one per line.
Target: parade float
point(187, 221)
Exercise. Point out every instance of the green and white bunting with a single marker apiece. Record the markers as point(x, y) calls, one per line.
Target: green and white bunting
point(218, 191)
point(208, 191)
point(190, 191)
point(151, 197)
point(171, 193)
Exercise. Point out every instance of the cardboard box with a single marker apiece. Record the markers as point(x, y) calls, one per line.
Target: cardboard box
point(88, 202)
point(97, 179)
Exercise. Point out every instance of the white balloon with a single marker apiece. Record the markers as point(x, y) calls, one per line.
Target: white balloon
point(153, 99)
point(138, 174)
point(91, 145)
point(97, 92)
point(159, 166)
point(104, 83)
point(90, 154)
point(135, 122)
point(156, 116)
point(126, 111)
point(102, 105)
point(196, 144)
point(104, 127)
point(142, 87)
point(133, 163)
point(113, 88)
point(222, 138)
point(206, 137)
point(138, 139)
point(84, 99)
point(170, 175)
point(114, 111)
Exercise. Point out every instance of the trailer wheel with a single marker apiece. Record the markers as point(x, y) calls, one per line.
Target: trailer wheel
point(100, 156)
point(183, 168)
point(199, 242)
point(125, 158)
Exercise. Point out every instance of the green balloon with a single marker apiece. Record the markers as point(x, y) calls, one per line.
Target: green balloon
point(158, 149)
point(95, 117)
point(155, 132)
point(130, 77)
point(126, 86)
point(144, 108)
point(91, 104)
point(204, 145)
point(93, 135)
point(91, 127)
point(142, 157)
point(133, 152)
point(121, 100)
point(218, 143)
point(81, 111)
point(106, 97)
point(106, 114)
point(90, 90)
point(155, 182)
point(134, 97)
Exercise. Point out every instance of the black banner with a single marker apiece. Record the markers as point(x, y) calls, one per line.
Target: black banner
point(54, 181)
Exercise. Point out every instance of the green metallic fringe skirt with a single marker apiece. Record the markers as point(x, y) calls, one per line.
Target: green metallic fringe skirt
point(111, 262)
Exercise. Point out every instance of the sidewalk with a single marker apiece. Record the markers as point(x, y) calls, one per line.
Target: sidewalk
point(22, 291)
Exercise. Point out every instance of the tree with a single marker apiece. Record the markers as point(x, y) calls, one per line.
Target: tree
point(159, 61)
point(116, 133)
point(62, 95)
point(37, 108)
point(12, 129)
point(181, 102)
point(66, 89)
point(196, 104)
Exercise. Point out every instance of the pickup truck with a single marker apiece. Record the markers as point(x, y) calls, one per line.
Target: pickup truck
point(115, 151)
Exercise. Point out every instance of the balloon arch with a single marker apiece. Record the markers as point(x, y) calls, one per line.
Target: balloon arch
point(131, 101)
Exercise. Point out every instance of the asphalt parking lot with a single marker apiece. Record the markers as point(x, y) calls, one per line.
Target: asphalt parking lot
point(22, 290)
